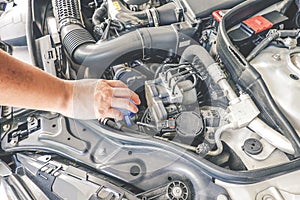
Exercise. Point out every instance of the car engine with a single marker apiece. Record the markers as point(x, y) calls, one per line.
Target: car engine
point(219, 88)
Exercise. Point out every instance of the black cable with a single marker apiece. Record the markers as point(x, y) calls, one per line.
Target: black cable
point(29, 33)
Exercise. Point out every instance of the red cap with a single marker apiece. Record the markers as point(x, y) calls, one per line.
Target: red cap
point(258, 24)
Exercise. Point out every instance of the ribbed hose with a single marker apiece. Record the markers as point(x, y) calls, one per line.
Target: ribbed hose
point(82, 48)
point(68, 16)
point(67, 11)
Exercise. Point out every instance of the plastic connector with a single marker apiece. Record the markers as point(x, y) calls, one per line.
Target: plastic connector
point(127, 115)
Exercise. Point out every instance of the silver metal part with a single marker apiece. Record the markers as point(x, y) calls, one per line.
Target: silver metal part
point(6, 127)
point(4, 169)
point(242, 111)
point(270, 194)
point(281, 76)
point(222, 197)
point(177, 190)
point(241, 117)
point(270, 135)
point(268, 157)
point(32, 187)
point(167, 91)
point(289, 42)
point(218, 133)
point(281, 187)
point(6, 191)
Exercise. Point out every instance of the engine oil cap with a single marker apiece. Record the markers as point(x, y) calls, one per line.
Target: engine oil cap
point(127, 115)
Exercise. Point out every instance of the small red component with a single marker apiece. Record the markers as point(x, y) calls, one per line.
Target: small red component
point(218, 14)
point(258, 24)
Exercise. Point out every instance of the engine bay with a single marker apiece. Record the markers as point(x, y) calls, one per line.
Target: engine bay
point(213, 78)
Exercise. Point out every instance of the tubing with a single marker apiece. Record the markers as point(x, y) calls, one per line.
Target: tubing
point(270, 135)
point(218, 134)
point(275, 34)
point(84, 50)
point(99, 14)
point(246, 76)
point(163, 15)
point(257, 125)
point(29, 33)
point(264, 43)
point(134, 45)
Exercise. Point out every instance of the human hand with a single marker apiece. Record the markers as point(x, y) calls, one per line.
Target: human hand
point(113, 94)
point(99, 98)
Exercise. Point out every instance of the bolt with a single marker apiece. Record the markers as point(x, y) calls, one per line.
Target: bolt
point(13, 142)
point(268, 197)
point(30, 119)
point(6, 127)
point(277, 57)
point(222, 197)
point(101, 152)
point(177, 192)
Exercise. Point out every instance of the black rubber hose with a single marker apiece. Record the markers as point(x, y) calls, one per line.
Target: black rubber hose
point(262, 45)
point(100, 14)
point(167, 14)
point(163, 15)
point(29, 33)
point(271, 37)
point(196, 50)
point(246, 76)
point(141, 43)
point(83, 49)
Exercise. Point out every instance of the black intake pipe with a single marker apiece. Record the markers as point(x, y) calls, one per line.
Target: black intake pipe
point(84, 50)
point(163, 15)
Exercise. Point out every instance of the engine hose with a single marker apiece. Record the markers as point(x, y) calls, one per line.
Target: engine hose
point(272, 35)
point(83, 49)
point(219, 144)
point(29, 33)
point(99, 14)
point(163, 15)
point(257, 125)
point(264, 43)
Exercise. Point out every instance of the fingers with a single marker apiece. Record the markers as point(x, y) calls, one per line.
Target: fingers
point(111, 95)
point(124, 104)
point(113, 113)
point(135, 98)
point(116, 83)
point(126, 93)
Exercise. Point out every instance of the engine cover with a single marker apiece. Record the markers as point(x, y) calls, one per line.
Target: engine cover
point(201, 8)
point(280, 69)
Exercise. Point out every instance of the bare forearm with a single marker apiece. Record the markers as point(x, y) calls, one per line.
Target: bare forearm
point(23, 85)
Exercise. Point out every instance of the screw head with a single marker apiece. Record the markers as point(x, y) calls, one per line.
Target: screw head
point(177, 192)
point(222, 197)
point(277, 57)
point(30, 119)
point(6, 127)
point(268, 197)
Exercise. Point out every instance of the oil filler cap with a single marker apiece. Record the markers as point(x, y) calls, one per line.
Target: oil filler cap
point(252, 146)
point(189, 124)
